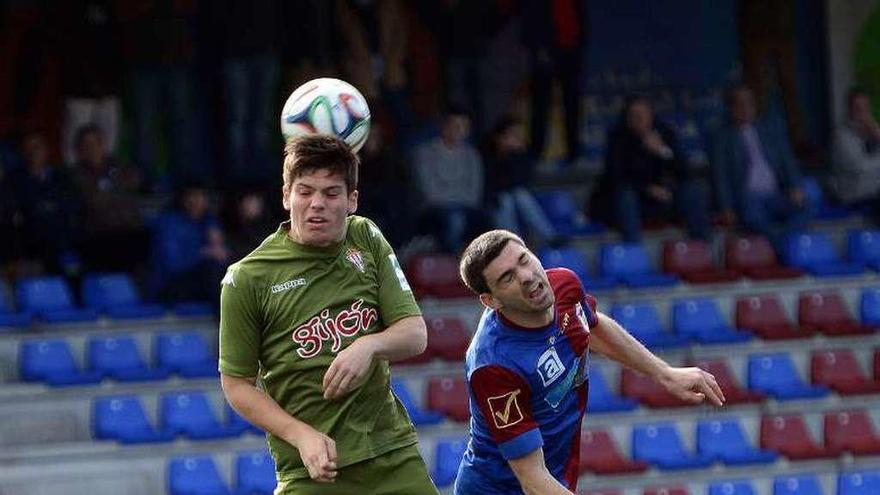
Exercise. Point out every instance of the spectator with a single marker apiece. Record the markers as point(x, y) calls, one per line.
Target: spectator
point(647, 177)
point(855, 163)
point(757, 180)
point(449, 177)
point(189, 251)
point(247, 221)
point(115, 237)
point(511, 168)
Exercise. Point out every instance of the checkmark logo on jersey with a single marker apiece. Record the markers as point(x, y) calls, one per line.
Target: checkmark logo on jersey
point(505, 409)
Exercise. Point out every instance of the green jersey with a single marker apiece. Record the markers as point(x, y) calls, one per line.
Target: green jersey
point(287, 309)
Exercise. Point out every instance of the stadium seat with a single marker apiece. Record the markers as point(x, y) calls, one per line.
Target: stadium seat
point(600, 454)
point(765, 316)
point(790, 436)
point(826, 312)
point(447, 457)
point(449, 396)
point(732, 487)
point(647, 391)
point(815, 253)
point(436, 275)
point(191, 414)
point(417, 414)
point(859, 483)
point(195, 475)
point(600, 491)
point(870, 307)
point(643, 322)
point(120, 358)
point(52, 361)
point(863, 246)
point(803, 484)
point(184, 353)
point(667, 490)
point(700, 319)
point(629, 264)
point(851, 431)
point(236, 423)
point(254, 473)
point(50, 299)
point(692, 261)
point(660, 444)
point(818, 204)
point(564, 214)
point(754, 257)
point(734, 392)
point(775, 374)
point(840, 370)
point(602, 399)
point(575, 260)
point(448, 339)
point(877, 364)
point(724, 440)
point(193, 309)
point(116, 296)
point(8, 316)
point(123, 418)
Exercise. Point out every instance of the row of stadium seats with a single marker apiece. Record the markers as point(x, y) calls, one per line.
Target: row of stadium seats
point(113, 295)
point(199, 475)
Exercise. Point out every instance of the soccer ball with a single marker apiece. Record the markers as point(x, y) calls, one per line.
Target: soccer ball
point(327, 106)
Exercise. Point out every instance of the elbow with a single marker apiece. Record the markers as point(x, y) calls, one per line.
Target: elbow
point(420, 337)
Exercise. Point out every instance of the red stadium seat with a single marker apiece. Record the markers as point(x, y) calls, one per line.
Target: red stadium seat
point(600, 454)
point(647, 391)
point(790, 436)
point(753, 256)
point(840, 370)
point(436, 275)
point(447, 338)
point(733, 390)
point(692, 261)
point(670, 490)
point(765, 316)
point(826, 312)
point(852, 431)
point(600, 491)
point(449, 396)
point(877, 364)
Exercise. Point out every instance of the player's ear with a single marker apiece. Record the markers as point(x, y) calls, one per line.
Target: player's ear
point(285, 196)
point(490, 302)
point(353, 202)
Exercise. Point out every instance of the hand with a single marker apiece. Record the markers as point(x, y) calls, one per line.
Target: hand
point(660, 193)
point(348, 368)
point(693, 385)
point(318, 453)
point(797, 196)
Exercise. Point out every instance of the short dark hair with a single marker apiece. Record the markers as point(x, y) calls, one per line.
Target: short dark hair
point(311, 152)
point(479, 253)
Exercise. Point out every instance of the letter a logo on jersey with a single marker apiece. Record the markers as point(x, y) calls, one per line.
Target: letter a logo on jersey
point(355, 257)
point(505, 409)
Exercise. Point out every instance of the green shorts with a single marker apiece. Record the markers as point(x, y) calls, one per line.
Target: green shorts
point(399, 472)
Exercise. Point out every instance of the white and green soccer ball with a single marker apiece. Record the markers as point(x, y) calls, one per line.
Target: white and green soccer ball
point(327, 106)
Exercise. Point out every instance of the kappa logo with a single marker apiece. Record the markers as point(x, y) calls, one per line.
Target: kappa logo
point(550, 367)
point(229, 278)
point(356, 258)
point(505, 409)
point(582, 317)
point(290, 284)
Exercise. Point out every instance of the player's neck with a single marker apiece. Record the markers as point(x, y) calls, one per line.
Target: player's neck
point(528, 319)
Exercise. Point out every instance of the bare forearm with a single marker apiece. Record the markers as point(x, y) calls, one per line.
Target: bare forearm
point(533, 476)
point(611, 340)
point(258, 408)
point(405, 338)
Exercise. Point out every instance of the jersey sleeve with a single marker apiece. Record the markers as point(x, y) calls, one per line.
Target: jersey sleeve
point(396, 300)
point(504, 398)
point(240, 327)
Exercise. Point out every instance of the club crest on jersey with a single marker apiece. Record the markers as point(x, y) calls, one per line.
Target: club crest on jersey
point(550, 367)
point(505, 409)
point(356, 259)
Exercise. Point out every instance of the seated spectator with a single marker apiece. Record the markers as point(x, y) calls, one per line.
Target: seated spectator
point(449, 177)
point(855, 162)
point(511, 168)
point(248, 222)
point(48, 208)
point(189, 251)
point(646, 177)
point(114, 235)
point(757, 180)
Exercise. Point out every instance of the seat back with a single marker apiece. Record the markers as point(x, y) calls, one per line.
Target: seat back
point(435, 274)
point(559, 206)
point(805, 250)
point(667, 490)
point(687, 256)
point(117, 417)
point(114, 354)
point(870, 306)
point(185, 412)
point(105, 291)
point(597, 445)
point(785, 433)
point(179, 350)
point(255, 473)
point(863, 245)
point(835, 365)
point(43, 358)
point(720, 437)
point(744, 253)
point(802, 484)
point(195, 475)
point(44, 294)
point(696, 316)
point(600, 391)
point(566, 257)
point(732, 487)
point(449, 395)
point(639, 317)
point(773, 372)
point(622, 259)
point(844, 429)
point(759, 312)
point(859, 483)
point(823, 308)
point(448, 338)
point(657, 442)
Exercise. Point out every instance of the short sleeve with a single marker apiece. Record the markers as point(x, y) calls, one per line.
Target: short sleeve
point(396, 300)
point(504, 398)
point(240, 327)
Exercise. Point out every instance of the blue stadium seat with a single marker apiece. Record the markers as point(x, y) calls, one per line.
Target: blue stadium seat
point(193, 309)
point(870, 306)
point(50, 299)
point(564, 214)
point(120, 358)
point(642, 321)
point(630, 264)
point(815, 253)
point(863, 246)
point(417, 414)
point(447, 457)
point(236, 423)
point(575, 260)
point(191, 414)
point(700, 319)
point(819, 205)
point(724, 440)
point(775, 374)
point(52, 361)
point(660, 444)
point(732, 487)
point(195, 475)
point(123, 418)
point(184, 353)
point(802, 484)
point(8, 316)
point(859, 483)
point(602, 399)
point(254, 473)
point(115, 295)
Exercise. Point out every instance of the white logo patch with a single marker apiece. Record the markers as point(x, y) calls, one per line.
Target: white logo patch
point(290, 284)
point(356, 258)
point(550, 367)
point(229, 278)
point(401, 278)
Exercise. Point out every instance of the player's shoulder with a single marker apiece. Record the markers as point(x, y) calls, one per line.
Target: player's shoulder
point(362, 230)
point(489, 345)
point(255, 264)
point(565, 282)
